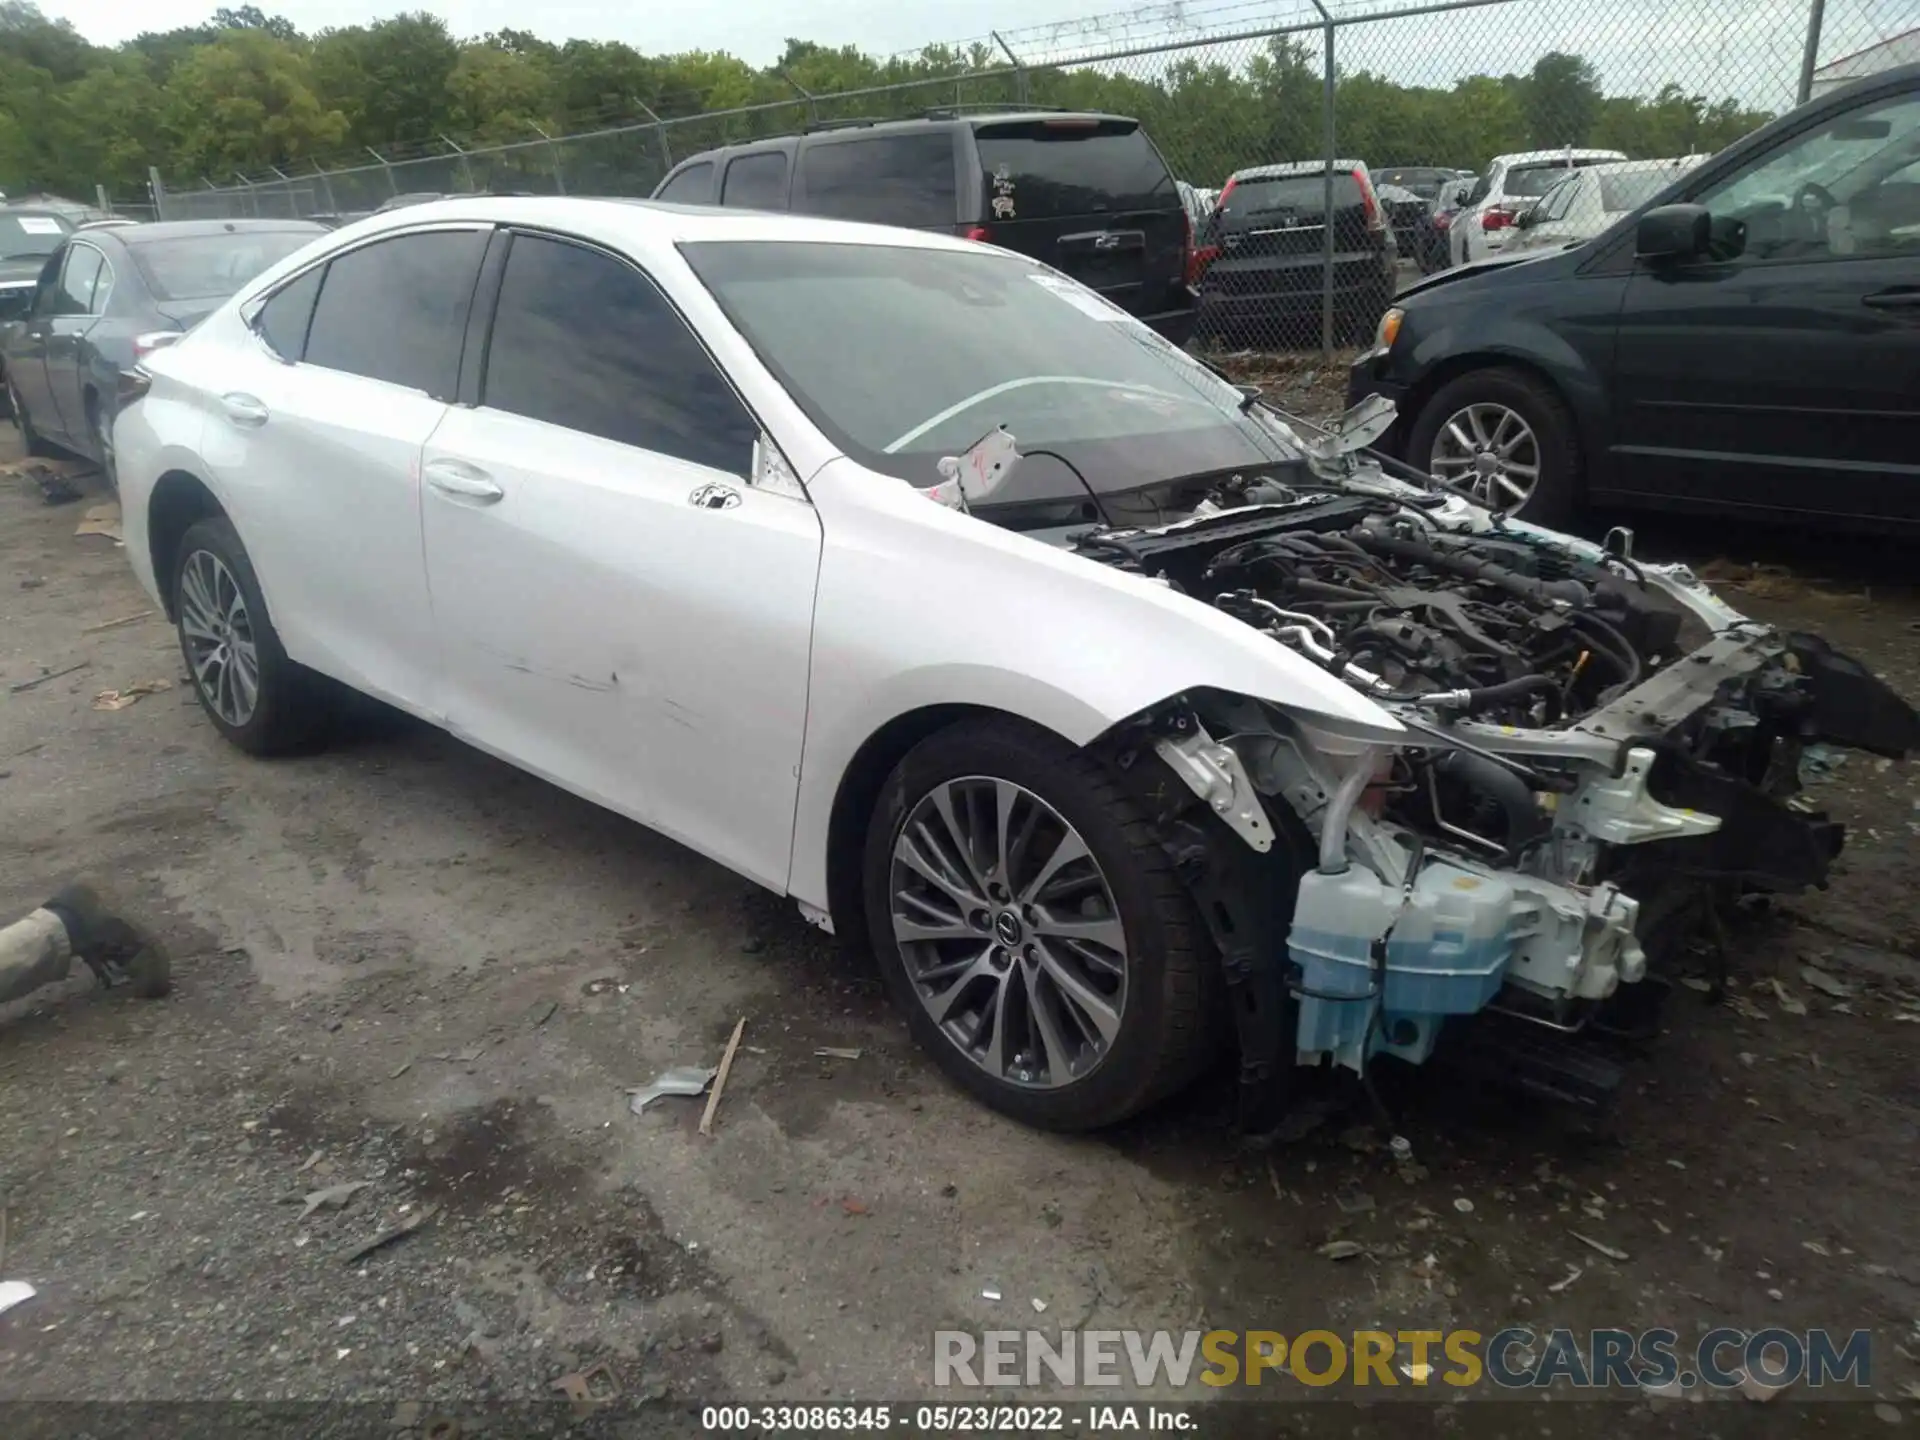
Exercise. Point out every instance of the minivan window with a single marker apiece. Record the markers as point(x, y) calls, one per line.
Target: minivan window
point(888, 179)
point(1304, 196)
point(1047, 169)
point(756, 182)
point(396, 310)
point(584, 341)
point(692, 186)
point(283, 320)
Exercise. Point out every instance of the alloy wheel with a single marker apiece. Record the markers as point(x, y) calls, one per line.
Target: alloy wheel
point(1490, 451)
point(218, 631)
point(1008, 932)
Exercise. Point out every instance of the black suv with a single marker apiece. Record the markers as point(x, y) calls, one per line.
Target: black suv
point(1087, 194)
point(1262, 263)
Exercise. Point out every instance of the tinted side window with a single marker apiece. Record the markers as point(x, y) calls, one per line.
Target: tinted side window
point(77, 278)
point(582, 340)
point(756, 182)
point(891, 179)
point(283, 320)
point(692, 186)
point(396, 310)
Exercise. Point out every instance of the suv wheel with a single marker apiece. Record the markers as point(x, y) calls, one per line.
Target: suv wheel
point(1505, 436)
point(1032, 930)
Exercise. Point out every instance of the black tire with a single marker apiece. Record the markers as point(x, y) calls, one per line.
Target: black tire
point(1556, 495)
point(1165, 1035)
point(290, 711)
point(37, 446)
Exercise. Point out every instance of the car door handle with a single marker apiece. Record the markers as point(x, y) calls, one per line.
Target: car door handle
point(1900, 297)
point(243, 410)
point(469, 482)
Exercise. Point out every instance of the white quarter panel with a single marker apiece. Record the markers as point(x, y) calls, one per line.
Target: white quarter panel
point(920, 605)
point(599, 629)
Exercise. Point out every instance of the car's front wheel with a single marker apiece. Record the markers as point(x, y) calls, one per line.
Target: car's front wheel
point(254, 695)
point(1506, 437)
point(1032, 929)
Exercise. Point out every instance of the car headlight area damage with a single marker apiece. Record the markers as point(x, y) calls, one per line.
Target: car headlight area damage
point(1600, 758)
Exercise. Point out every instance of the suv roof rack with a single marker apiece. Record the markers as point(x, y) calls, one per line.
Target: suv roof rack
point(850, 123)
point(952, 112)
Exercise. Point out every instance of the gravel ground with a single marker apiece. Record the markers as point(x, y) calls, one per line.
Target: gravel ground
point(402, 963)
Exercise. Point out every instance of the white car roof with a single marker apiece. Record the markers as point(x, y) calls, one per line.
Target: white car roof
point(1548, 157)
point(649, 223)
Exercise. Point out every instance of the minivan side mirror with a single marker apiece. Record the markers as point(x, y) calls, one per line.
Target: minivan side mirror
point(1673, 232)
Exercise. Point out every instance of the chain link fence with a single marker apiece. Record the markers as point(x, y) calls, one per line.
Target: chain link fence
point(1446, 124)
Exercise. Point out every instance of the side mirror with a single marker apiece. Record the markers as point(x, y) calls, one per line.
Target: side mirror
point(1673, 232)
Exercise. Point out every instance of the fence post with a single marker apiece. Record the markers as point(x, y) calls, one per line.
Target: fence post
point(286, 186)
point(157, 191)
point(1326, 215)
point(466, 169)
point(252, 199)
point(660, 132)
point(1019, 68)
point(813, 108)
point(559, 177)
point(393, 185)
point(326, 188)
point(1810, 57)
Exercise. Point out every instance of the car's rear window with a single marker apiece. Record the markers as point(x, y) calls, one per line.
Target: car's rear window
point(888, 179)
point(1047, 169)
point(211, 267)
point(1538, 179)
point(1628, 191)
point(26, 236)
point(1262, 202)
point(1424, 183)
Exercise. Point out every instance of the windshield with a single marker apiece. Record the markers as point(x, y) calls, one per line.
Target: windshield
point(24, 236)
point(212, 267)
point(904, 355)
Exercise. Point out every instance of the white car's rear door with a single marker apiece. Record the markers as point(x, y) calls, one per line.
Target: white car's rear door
point(319, 458)
point(620, 610)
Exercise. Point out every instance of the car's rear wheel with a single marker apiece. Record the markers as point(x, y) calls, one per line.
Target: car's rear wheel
point(254, 695)
point(1506, 437)
point(101, 433)
point(23, 422)
point(1031, 928)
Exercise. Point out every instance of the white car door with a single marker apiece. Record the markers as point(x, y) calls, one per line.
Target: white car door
point(316, 429)
point(620, 610)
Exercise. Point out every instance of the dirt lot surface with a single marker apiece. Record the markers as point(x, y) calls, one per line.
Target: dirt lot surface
point(402, 963)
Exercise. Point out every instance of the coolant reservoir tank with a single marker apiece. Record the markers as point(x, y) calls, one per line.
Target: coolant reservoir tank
point(1337, 920)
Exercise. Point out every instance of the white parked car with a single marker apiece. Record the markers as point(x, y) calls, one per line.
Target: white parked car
point(912, 580)
point(1486, 223)
point(1586, 201)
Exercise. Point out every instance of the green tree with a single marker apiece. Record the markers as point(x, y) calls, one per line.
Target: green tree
point(246, 101)
point(389, 78)
point(1561, 99)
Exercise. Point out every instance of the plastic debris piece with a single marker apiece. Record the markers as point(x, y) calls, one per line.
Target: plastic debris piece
point(989, 1293)
point(121, 699)
point(390, 1234)
point(1574, 1272)
point(101, 519)
point(1463, 1204)
point(720, 1080)
point(680, 1080)
point(308, 1163)
point(1790, 1003)
point(1888, 1413)
point(834, 1052)
point(333, 1197)
point(1039, 1305)
point(14, 1292)
point(1607, 1250)
point(853, 1205)
point(1826, 984)
point(1342, 1249)
point(1353, 1202)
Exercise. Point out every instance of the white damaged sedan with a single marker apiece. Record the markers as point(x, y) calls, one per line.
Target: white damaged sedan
point(1115, 711)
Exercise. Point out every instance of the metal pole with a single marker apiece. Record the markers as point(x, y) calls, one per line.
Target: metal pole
point(660, 130)
point(157, 188)
point(1326, 214)
point(465, 168)
point(100, 199)
point(286, 185)
point(559, 179)
point(813, 109)
point(326, 188)
point(1019, 67)
point(1810, 57)
point(392, 184)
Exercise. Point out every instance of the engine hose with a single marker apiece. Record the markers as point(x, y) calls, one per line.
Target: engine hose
point(1525, 821)
point(1624, 657)
point(1469, 702)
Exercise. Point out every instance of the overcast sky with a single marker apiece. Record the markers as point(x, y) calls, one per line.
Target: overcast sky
point(1746, 48)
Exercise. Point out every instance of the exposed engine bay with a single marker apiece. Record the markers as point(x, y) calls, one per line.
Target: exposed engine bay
point(1601, 759)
